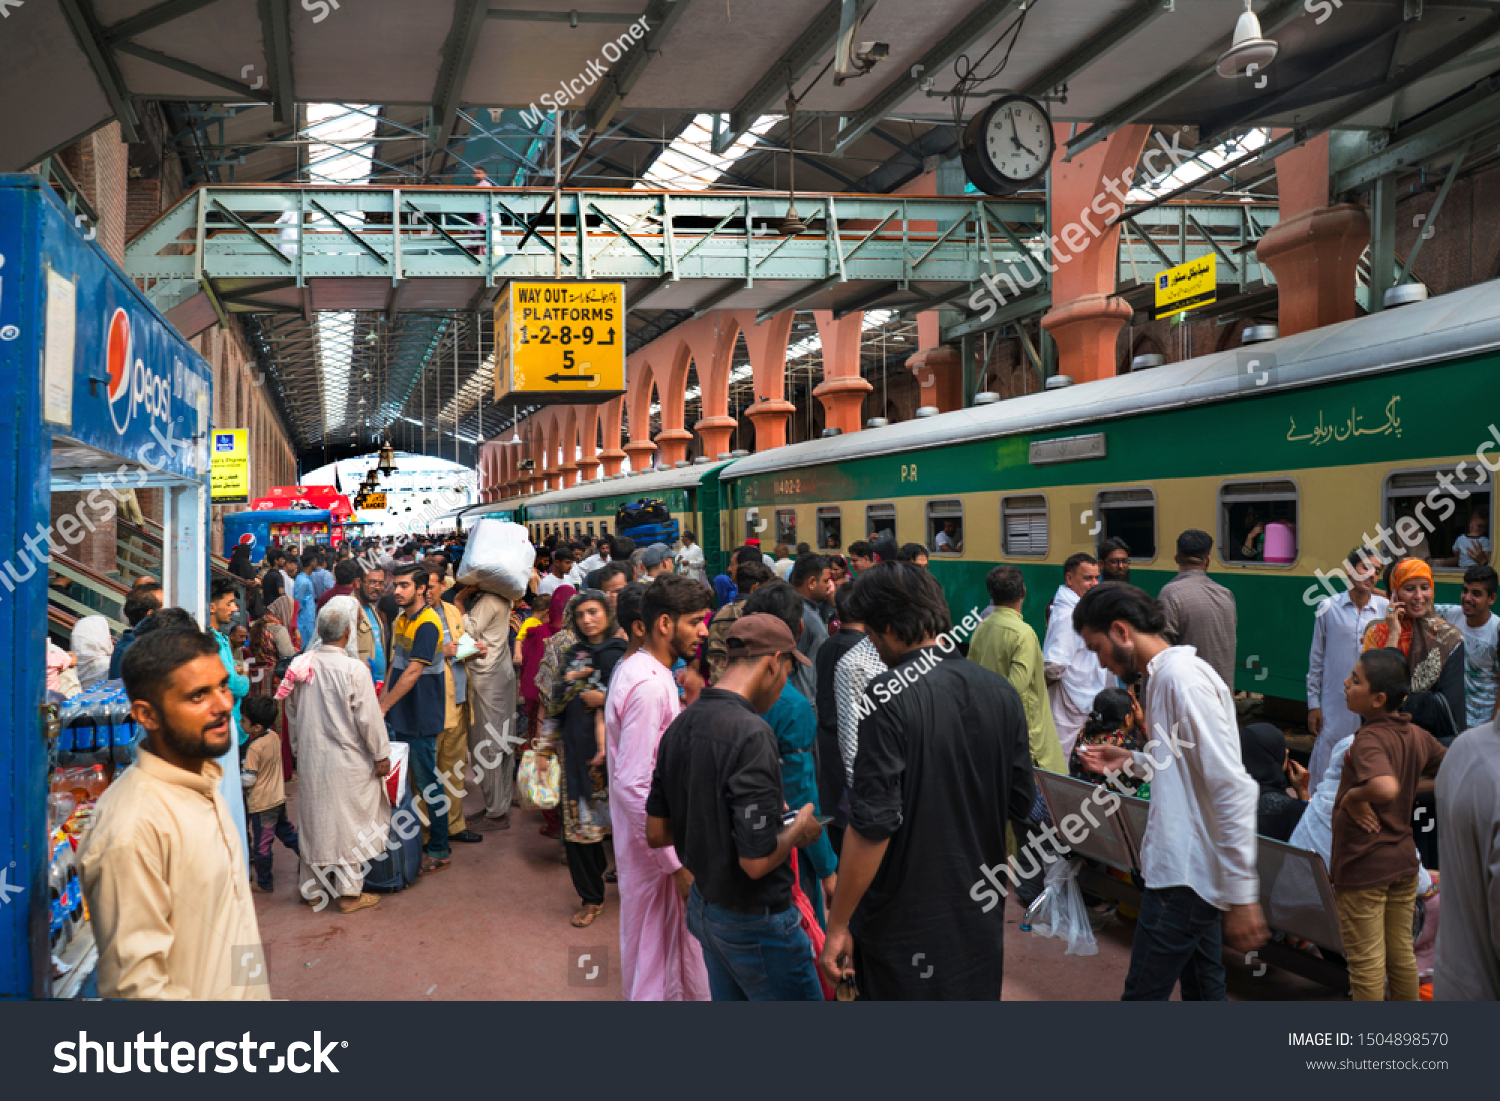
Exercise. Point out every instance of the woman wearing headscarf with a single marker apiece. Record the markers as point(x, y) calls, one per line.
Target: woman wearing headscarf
point(1432, 646)
point(533, 649)
point(1282, 781)
point(342, 751)
point(574, 673)
point(239, 562)
point(92, 645)
point(270, 637)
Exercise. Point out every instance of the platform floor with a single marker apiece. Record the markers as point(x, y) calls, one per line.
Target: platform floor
point(495, 927)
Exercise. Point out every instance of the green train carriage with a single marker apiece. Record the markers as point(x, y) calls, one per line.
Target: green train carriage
point(1333, 431)
point(691, 494)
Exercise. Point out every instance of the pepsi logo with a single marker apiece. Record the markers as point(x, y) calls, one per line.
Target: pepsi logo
point(247, 540)
point(131, 383)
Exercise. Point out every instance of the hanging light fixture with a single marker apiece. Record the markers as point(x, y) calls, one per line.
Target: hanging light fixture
point(387, 463)
point(1249, 52)
point(792, 224)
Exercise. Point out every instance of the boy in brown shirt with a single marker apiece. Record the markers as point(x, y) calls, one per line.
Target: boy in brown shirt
point(1374, 856)
point(265, 791)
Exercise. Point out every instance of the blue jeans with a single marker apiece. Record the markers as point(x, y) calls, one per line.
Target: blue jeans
point(754, 957)
point(1178, 935)
point(423, 750)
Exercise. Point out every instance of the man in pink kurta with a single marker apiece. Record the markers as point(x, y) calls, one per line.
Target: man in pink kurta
point(659, 959)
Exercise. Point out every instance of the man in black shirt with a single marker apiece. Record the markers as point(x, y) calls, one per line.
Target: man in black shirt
point(943, 762)
point(716, 796)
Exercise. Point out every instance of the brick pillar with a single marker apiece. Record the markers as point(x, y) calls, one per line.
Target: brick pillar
point(843, 389)
point(1086, 317)
point(1314, 249)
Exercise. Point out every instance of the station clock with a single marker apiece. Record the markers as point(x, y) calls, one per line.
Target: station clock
point(1008, 145)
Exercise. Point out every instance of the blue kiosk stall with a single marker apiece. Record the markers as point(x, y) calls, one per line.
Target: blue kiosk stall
point(260, 528)
point(105, 395)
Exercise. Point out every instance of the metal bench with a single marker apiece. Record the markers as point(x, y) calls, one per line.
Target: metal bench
point(1295, 893)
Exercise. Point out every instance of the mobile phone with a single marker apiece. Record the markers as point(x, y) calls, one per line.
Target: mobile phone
point(821, 819)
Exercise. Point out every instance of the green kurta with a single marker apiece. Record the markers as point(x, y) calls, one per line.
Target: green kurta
point(1004, 644)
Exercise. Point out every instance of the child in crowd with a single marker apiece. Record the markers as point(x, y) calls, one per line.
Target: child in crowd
point(1115, 719)
point(265, 791)
point(1374, 855)
point(539, 605)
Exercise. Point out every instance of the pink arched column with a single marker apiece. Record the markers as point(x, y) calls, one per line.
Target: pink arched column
point(638, 380)
point(549, 449)
point(670, 359)
point(938, 367)
point(1314, 248)
point(767, 345)
point(610, 415)
point(710, 340)
point(567, 418)
point(1086, 316)
point(843, 389)
point(588, 433)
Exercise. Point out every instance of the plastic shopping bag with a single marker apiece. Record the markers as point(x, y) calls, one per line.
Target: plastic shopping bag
point(538, 781)
point(1059, 910)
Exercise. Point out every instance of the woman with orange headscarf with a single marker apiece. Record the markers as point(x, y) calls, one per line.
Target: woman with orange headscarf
point(1432, 645)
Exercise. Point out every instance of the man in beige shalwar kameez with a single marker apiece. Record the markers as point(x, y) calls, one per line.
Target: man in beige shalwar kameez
point(339, 737)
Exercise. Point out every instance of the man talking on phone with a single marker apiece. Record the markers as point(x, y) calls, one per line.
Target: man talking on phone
point(716, 796)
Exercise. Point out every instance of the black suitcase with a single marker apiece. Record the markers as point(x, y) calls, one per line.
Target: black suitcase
point(396, 868)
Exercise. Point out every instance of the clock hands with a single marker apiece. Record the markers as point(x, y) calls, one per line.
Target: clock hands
point(1015, 138)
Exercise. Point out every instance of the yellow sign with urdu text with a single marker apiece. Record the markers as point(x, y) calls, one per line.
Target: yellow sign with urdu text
point(560, 342)
point(229, 480)
point(374, 501)
point(1195, 283)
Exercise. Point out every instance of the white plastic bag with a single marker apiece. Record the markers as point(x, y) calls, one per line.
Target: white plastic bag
point(1059, 910)
point(498, 559)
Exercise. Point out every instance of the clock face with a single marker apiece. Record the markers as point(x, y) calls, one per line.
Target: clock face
point(1018, 139)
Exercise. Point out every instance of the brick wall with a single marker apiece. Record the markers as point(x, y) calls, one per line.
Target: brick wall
point(99, 164)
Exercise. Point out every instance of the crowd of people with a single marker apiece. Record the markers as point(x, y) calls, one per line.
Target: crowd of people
point(794, 771)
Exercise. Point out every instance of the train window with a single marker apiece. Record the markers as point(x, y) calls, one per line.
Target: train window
point(786, 526)
point(1443, 523)
point(945, 526)
point(567, 530)
point(1128, 514)
point(830, 529)
point(591, 527)
point(1023, 526)
point(880, 520)
point(603, 527)
point(1258, 522)
point(752, 523)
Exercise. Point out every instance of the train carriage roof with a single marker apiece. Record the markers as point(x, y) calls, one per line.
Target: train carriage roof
point(1463, 323)
point(653, 481)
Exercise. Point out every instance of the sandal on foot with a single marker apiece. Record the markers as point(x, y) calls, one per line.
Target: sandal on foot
point(585, 917)
point(363, 902)
point(432, 864)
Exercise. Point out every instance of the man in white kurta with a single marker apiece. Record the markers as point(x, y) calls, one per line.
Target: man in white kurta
point(1074, 675)
point(659, 959)
point(339, 737)
point(1338, 639)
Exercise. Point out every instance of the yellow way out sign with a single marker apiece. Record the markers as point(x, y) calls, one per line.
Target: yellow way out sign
point(560, 342)
point(1195, 283)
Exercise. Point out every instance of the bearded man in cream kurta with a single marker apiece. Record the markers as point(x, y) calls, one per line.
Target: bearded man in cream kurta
point(339, 738)
point(162, 863)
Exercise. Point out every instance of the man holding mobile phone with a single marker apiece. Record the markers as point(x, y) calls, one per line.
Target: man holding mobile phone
point(716, 795)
